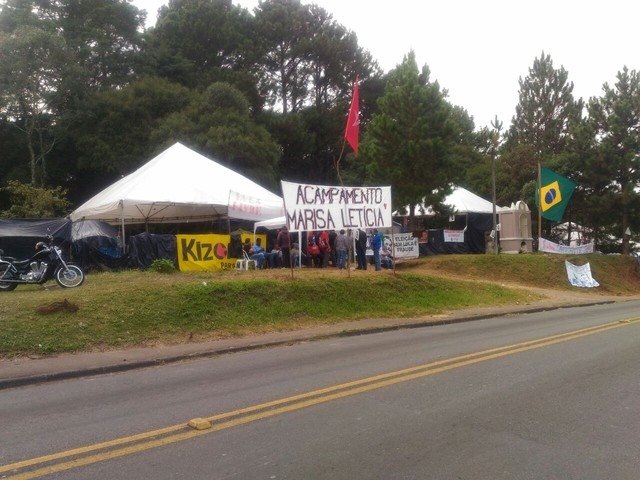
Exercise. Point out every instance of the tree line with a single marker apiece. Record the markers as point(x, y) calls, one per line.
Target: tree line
point(87, 95)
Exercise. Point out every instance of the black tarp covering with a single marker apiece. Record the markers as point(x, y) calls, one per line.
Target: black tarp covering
point(91, 244)
point(477, 225)
point(19, 237)
point(96, 245)
point(144, 248)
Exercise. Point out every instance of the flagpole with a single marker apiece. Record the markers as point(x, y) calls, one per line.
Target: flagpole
point(344, 142)
point(539, 204)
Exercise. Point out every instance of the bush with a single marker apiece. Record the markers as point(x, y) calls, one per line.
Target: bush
point(162, 265)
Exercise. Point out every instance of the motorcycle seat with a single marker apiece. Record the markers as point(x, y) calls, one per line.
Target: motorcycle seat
point(17, 263)
point(6, 259)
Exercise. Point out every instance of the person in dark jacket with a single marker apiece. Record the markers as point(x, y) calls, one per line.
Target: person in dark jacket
point(283, 243)
point(361, 249)
point(376, 244)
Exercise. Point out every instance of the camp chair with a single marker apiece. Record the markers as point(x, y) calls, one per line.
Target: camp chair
point(245, 262)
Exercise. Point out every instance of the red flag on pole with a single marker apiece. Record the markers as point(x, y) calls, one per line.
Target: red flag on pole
point(352, 131)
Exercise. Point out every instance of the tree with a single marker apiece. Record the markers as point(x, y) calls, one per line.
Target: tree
point(542, 129)
point(219, 121)
point(615, 118)
point(284, 27)
point(200, 42)
point(546, 109)
point(113, 135)
point(104, 36)
point(36, 78)
point(52, 53)
point(410, 141)
point(28, 201)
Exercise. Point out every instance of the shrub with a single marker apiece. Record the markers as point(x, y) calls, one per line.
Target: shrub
point(162, 265)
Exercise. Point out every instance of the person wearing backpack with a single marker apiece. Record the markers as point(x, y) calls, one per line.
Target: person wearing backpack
point(324, 243)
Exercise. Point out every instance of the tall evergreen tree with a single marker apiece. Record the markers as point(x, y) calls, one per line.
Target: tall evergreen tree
point(541, 130)
point(409, 143)
point(615, 118)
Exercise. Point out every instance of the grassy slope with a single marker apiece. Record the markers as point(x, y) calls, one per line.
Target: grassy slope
point(137, 308)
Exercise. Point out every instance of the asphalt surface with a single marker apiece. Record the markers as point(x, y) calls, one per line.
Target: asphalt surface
point(32, 370)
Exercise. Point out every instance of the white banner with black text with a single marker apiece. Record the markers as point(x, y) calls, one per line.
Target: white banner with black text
point(318, 207)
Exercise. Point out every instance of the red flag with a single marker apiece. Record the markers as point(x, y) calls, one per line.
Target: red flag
point(352, 131)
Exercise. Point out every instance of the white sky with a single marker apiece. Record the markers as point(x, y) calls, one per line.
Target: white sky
point(478, 49)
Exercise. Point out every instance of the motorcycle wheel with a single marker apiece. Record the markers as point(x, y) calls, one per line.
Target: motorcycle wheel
point(73, 276)
point(6, 286)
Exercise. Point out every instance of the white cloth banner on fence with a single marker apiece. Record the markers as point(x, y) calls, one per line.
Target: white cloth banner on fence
point(405, 246)
point(319, 207)
point(550, 247)
point(580, 276)
point(455, 236)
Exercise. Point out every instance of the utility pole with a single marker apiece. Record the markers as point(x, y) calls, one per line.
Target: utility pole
point(495, 141)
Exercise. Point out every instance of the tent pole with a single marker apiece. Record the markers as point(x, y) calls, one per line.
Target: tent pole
point(124, 243)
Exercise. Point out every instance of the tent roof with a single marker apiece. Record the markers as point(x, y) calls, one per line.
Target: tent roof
point(462, 201)
point(271, 224)
point(178, 185)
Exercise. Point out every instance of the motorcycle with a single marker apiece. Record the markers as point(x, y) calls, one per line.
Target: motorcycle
point(46, 264)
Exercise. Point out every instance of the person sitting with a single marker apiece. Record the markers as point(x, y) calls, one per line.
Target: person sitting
point(246, 246)
point(256, 252)
point(274, 257)
point(386, 259)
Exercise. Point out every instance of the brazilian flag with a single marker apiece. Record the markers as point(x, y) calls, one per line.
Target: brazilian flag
point(555, 192)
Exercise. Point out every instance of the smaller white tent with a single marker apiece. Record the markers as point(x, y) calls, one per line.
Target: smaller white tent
point(274, 224)
point(271, 224)
point(178, 185)
point(462, 201)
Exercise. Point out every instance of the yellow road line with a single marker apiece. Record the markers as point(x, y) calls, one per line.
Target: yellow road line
point(287, 404)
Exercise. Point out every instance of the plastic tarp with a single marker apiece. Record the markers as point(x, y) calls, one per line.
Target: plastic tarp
point(90, 244)
point(474, 237)
point(19, 237)
point(144, 248)
point(178, 185)
point(96, 245)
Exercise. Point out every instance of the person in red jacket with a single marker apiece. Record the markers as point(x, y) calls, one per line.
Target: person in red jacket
point(324, 242)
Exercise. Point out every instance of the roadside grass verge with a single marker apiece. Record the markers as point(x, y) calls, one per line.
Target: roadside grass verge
point(617, 274)
point(133, 308)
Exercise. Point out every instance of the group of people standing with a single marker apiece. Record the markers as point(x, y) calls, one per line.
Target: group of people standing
point(324, 248)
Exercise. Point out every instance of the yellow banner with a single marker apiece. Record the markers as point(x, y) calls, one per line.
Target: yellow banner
point(198, 253)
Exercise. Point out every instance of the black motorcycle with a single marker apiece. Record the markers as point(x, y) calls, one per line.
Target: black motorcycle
point(47, 263)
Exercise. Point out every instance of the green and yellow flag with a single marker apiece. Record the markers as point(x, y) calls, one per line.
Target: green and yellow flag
point(555, 192)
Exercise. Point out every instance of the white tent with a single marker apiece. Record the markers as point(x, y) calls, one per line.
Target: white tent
point(270, 224)
point(462, 201)
point(179, 185)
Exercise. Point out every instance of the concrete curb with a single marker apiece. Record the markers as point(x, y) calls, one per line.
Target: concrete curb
point(154, 358)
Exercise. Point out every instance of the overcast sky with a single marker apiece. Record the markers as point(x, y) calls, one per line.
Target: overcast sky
point(478, 49)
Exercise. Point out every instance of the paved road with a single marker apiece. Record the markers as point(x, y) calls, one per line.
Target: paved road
point(542, 395)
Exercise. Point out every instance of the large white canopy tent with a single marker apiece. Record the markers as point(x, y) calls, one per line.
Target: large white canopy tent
point(179, 185)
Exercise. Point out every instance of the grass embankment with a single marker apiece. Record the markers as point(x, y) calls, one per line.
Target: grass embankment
point(116, 310)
